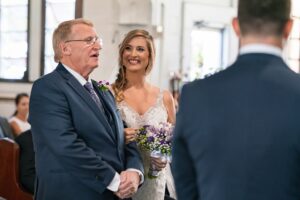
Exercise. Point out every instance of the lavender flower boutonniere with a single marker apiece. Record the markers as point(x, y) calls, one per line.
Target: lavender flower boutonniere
point(103, 85)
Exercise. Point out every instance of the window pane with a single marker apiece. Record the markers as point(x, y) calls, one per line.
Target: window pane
point(206, 52)
point(13, 68)
point(14, 45)
point(294, 48)
point(295, 8)
point(296, 29)
point(13, 39)
point(294, 39)
point(56, 12)
point(14, 2)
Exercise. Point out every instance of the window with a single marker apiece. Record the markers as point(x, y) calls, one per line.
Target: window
point(208, 42)
point(206, 51)
point(14, 40)
point(55, 11)
point(294, 39)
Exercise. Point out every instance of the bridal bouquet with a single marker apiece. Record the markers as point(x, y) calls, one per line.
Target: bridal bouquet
point(158, 141)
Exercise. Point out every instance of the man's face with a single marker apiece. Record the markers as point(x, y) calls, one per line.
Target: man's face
point(84, 46)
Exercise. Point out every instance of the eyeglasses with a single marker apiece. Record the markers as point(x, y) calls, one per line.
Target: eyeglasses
point(89, 41)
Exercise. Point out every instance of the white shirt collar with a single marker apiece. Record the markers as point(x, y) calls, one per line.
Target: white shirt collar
point(261, 48)
point(77, 76)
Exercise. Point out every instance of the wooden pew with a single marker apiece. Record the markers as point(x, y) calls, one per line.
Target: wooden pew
point(10, 187)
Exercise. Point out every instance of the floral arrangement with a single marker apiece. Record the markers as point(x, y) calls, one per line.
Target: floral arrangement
point(158, 141)
point(103, 85)
point(156, 138)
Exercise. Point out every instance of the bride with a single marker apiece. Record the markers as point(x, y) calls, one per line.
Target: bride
point(141, 103)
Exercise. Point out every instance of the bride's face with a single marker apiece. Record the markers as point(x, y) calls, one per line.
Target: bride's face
point(136, 55)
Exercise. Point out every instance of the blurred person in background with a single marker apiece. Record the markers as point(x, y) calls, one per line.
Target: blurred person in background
point(19, 121)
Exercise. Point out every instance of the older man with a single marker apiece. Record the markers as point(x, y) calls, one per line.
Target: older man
point(77, 132)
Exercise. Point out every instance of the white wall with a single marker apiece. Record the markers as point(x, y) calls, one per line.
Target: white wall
point(104, 15)
point(112, 24)
point(171, 43)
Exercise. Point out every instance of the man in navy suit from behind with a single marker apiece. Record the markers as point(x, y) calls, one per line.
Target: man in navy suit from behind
point(77, 132)
point(237, 134)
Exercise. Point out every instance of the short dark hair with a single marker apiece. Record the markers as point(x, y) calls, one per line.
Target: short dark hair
point(264, 17)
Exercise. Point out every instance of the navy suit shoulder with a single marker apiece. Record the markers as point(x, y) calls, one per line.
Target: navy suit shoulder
point(235, 129)
point(251, 72)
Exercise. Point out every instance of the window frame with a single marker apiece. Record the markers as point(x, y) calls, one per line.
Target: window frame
point(78, 14)
point(295, 39)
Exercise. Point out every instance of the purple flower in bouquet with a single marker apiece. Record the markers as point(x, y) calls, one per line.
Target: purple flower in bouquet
point(156, 138)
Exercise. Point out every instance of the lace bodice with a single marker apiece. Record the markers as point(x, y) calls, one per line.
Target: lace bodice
point(154, 115)
point(152, 189)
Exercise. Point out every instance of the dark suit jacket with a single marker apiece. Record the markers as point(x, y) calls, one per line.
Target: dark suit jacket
point(4, 125)
point(237, 134)
point(27, 162)
point(77, 150)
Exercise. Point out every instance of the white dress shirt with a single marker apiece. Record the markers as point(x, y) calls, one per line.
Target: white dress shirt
point(261, 48)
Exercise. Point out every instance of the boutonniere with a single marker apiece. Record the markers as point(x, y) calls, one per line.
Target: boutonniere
point(103, 85)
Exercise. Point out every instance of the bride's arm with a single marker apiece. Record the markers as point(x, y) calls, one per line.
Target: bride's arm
point(170, 106)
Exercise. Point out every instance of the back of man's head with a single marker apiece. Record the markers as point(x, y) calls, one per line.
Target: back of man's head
point(263, 17)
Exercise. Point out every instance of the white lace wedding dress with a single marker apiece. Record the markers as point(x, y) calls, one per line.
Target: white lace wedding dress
point(152, 189)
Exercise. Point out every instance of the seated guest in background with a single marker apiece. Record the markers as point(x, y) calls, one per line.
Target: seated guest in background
point(27, 161)
point(18, 121)
point(5, 130)
point(1, 133)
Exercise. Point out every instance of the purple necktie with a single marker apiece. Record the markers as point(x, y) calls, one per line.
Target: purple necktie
point(93, 94)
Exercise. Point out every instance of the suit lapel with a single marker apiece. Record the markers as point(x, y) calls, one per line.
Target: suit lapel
point(105, 96)
point(79, 89)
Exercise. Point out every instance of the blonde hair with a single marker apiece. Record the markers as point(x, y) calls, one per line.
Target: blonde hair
point(63, 32)
point(121, 81)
